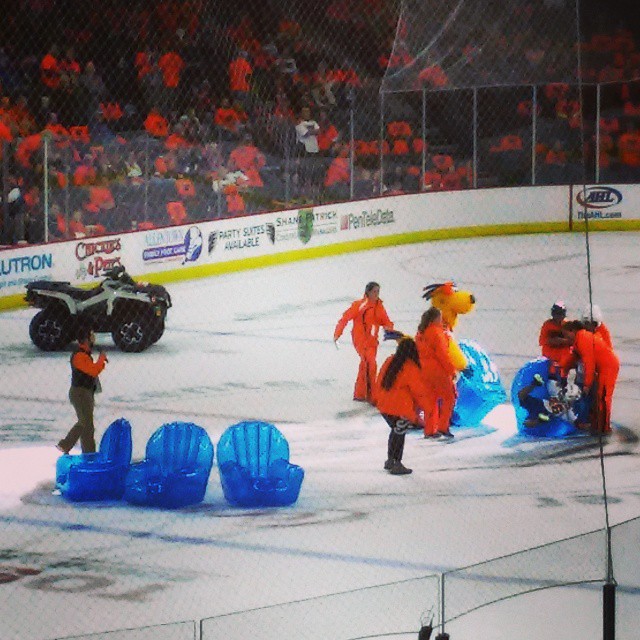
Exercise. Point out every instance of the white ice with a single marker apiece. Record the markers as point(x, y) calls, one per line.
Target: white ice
point(258, 345)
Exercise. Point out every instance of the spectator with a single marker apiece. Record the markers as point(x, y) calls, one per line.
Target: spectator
point(171, 65)
point(246, 157)
point(307, 131)
point(85, 173)
point(339, 172)
point(69, 66)
point(227, 118)
point(432, 75)
point(94, 88)
point(156, 124)
point(50, 69)
point(556, 156)
point(13, 215)
point(240, 71)
point(328, 135)
point(322, 88)
point(629, 147)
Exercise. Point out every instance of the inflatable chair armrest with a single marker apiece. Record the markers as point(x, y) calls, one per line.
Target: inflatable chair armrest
point(145, 471)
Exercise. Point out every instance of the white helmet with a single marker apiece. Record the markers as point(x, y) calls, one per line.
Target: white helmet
point(592, 312)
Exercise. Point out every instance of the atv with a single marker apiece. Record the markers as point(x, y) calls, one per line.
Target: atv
point(134, 313)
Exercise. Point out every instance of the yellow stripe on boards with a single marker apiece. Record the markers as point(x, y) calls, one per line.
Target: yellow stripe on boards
point(365, 244)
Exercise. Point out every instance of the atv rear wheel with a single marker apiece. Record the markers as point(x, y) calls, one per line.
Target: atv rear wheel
point(51, 329)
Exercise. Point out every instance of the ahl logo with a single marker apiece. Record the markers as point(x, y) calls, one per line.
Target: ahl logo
point(598, 197)
point(305, 224)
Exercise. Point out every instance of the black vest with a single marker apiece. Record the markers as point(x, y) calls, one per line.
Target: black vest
point(79, 378)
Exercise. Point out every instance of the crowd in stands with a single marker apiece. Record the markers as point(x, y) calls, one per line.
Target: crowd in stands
point(151, 114)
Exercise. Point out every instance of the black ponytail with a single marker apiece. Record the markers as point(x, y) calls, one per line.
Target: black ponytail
point(406, 350)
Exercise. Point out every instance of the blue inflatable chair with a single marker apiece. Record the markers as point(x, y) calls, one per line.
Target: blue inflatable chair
point(176, 468)
point(557, 427)
point(253, 461)
point(479, 387)
point(100, 475)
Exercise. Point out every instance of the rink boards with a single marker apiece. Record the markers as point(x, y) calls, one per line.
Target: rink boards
point(221, 246)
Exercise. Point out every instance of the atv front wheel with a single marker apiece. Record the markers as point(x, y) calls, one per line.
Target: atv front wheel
point(51, 329)
point(133, 335)
point(157, 330)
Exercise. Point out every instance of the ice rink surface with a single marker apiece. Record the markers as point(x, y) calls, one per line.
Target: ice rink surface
point(259, 345)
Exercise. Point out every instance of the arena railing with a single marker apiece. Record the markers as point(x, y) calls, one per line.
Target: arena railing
point(64, 186)
point(446, 600)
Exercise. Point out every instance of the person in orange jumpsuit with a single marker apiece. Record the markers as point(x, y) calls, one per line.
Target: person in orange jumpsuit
point(601, 367)
point(438, 372)
point(367, 316)
point(592, 320)
point(553, 343)
point(400, 393)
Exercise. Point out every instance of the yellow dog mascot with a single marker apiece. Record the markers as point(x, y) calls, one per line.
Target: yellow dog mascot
point(451, 302)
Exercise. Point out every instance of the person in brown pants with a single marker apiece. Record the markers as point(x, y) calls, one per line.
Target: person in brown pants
point(84, 384)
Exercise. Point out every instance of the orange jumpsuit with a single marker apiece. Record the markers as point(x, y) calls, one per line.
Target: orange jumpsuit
point(438, 373)
point(399, 405)
point(407, 395)
point(367, 318)
point(601, 365)
point(552, 329)
point(603, 331)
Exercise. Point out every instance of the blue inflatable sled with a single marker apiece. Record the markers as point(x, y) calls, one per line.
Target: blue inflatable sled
point(479, 387)
point(557, 427)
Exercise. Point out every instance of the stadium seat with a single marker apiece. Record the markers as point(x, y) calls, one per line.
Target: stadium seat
point(479, 387)
point(556, 427)
point(253, 461)
point(176, 468)
point(101, 475)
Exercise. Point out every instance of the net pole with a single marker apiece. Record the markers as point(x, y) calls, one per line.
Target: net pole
point(147, 177)
point(4, 234)
point(67, 188)
point(287, 168)
point(424, 137)
point(381, 188)
point(219, 178)
point(46, 188)
point(351, 148)
point(442, 604)
point(475, 138)
point(534, 131)
point(609, 588)
point(597, 151)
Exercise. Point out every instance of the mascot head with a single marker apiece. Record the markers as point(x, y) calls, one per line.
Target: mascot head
point(451, 302)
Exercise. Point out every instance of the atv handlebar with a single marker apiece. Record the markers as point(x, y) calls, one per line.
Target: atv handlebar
point(119, 273)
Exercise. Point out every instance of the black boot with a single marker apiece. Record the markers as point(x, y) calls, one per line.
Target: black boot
point(398, 469)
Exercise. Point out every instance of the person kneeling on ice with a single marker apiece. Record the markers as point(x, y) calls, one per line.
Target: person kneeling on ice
point(400, 393)
point(559, 404)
